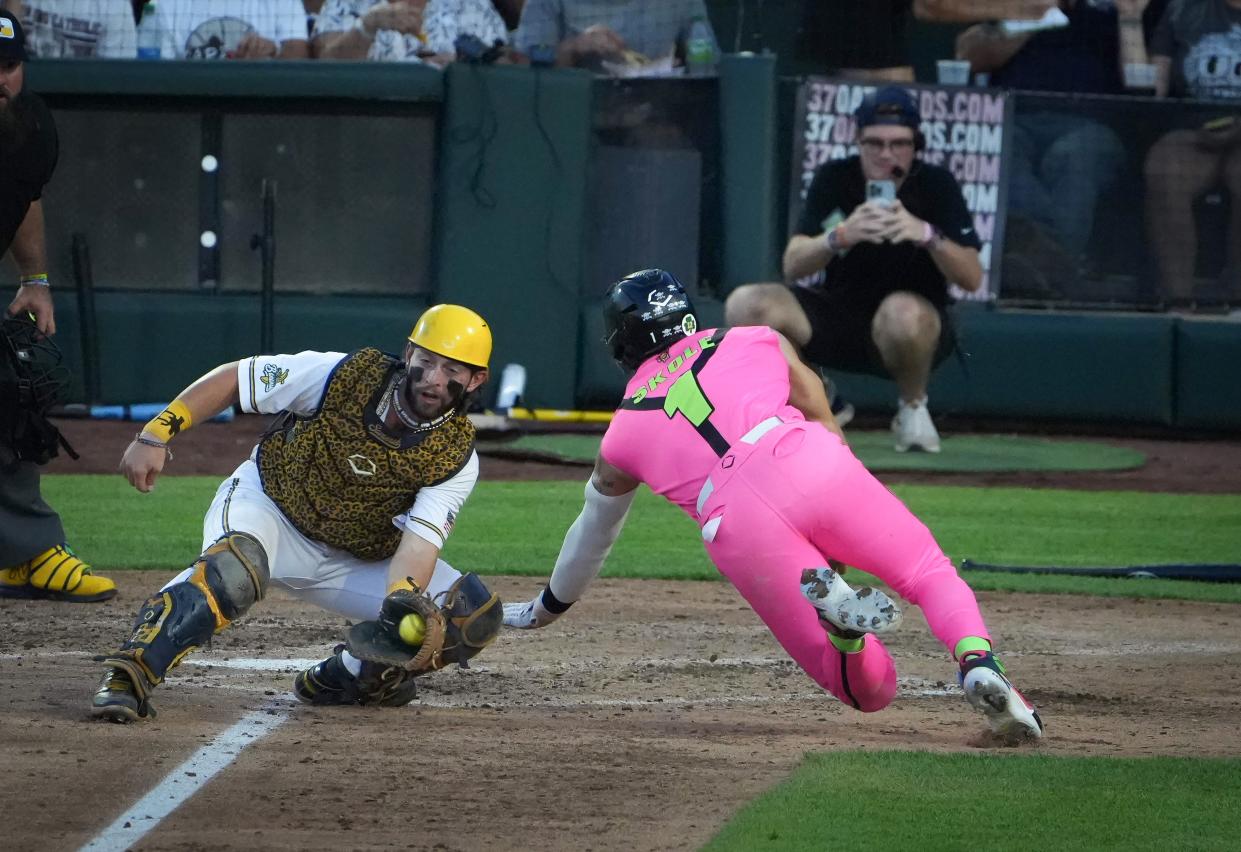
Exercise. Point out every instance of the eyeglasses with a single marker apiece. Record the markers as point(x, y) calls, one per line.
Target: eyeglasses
point(896, 146)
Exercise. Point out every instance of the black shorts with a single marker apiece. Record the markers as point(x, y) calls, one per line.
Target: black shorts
point(840, 335)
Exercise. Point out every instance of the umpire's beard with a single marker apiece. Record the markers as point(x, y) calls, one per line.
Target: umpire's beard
point(12, 126)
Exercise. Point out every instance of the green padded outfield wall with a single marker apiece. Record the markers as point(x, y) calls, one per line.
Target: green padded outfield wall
point(748, 157)
point(1208, 373)
point(511, 202)
point(1045, 365)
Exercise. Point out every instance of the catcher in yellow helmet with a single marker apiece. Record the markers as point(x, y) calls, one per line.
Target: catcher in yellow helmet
point(346, 502)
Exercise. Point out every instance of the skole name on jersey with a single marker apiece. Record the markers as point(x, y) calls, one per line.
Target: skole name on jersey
point(665, 373)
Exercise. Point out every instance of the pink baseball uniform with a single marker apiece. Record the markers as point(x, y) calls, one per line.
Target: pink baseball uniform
point(709, 427)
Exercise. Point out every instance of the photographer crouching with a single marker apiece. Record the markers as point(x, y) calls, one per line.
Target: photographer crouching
point(880, 236)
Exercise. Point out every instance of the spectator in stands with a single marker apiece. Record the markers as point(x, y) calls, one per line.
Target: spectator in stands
point(859, 40)
point(404, 30)
point(233, 29)
point(312, 8)
point(1062, 161)
point(622, 33)
point(880, 306)
point(510, 11)
point(80, 29)
point(1197, 52)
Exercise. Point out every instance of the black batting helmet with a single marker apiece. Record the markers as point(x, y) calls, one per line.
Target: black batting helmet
point(644, 313)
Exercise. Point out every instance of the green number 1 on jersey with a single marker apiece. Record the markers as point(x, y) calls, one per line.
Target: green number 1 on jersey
point(686, 398)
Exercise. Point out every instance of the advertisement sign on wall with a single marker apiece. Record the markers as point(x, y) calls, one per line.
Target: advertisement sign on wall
point(965, 133)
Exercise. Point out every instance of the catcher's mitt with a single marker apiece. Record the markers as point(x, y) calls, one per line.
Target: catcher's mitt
point(379, 641)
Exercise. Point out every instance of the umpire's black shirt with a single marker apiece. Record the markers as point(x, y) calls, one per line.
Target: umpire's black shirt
point(26, 163)
point(868, 272)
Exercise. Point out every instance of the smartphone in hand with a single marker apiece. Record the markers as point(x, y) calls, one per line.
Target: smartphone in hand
point(883, 191)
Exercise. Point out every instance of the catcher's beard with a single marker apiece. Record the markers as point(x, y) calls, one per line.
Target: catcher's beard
point(415, 416)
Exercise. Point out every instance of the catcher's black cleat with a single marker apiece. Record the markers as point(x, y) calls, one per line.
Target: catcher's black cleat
point(117, 700)
point(329, 683)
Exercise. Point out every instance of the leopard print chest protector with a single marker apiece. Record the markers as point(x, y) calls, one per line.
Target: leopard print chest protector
point(340, 479)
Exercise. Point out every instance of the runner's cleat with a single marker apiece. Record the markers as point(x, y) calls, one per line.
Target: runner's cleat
point(864, 610)
point(988, 689)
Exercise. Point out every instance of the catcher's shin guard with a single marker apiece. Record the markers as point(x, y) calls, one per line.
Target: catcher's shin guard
point(474, 614)
point(226, 580)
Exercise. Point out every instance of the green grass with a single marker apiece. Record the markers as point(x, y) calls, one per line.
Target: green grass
point(961, 452)
point(517, 527)
point(903, 800)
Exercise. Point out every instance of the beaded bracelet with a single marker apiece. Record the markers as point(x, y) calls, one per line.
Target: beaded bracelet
point(151, 442)
point(931, 237)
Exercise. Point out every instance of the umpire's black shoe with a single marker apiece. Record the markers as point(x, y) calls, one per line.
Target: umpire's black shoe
point(327, 682)
point(117, 700)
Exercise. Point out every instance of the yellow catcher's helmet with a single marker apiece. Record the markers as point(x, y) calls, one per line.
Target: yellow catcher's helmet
point(454, 332)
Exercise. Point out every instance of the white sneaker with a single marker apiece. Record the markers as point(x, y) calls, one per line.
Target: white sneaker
point(863, 610)
point(912, 428)
point(988, 689)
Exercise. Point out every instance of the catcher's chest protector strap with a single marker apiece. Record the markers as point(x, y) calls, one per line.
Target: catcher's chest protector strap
point(226, 580)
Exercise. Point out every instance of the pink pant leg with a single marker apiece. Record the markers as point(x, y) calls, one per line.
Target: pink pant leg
point(825, 492)
point(763, 558)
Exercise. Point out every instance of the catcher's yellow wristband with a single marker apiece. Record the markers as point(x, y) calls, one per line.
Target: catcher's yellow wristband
point(170, 422)
point(405, 585)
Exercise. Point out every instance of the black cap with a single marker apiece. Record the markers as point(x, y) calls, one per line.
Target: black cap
point(12, 39)
point(889, 105)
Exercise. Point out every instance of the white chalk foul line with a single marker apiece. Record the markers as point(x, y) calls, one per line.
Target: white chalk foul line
point(911, 687)
point(187, 779)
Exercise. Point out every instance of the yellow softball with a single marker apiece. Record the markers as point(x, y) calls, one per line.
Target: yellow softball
point(412, 629)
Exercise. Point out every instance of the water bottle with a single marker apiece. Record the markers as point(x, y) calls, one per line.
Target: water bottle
point(700, 58)
point(512, 387)
point(149, 37)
